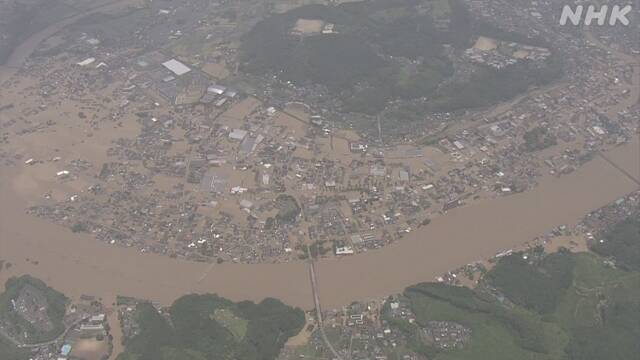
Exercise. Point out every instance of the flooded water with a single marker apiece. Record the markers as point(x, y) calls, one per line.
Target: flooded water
point(77, 264)
point(479, 231)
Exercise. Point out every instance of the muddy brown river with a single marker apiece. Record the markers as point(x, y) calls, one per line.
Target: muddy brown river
point(78, 264)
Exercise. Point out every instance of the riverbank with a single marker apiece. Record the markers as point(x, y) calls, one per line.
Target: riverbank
point(77, 264)
point(22, 52)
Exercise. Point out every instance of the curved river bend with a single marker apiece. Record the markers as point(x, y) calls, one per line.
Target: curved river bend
point(77, 264)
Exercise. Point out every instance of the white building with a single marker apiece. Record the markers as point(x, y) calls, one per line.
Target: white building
point(216, 89)
point(237, 134)
point(176, 67)
point(86, 62)
point(346, 250)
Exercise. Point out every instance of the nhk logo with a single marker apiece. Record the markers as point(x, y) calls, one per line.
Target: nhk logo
point(575, 15)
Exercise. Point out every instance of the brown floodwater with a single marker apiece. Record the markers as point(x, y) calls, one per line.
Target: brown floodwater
point(77, 264)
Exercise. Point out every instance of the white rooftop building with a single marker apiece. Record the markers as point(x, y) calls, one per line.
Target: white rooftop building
point(87, 61)
point(345, 250)
point(237, 134)
point(216, 89)
point(176, 67)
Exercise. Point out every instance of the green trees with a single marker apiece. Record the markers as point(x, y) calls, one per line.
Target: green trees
point(562, 306)
point(622, 243)
point(271, 324)
point(288, 209)
point(55, 302)
point(359, 52)
point(538, 139)
point(488, 319)
point(10, 352)
point(383, 50)
point(155, 335)
point(536, 286)
point(192, 332)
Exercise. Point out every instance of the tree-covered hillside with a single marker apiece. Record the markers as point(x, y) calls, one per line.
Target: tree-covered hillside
point(36, 294)
point(622, 243)
point(200, 327)
point(381, 50)
point(558, 306)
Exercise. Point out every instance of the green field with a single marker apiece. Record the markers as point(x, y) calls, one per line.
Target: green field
point(236, 325)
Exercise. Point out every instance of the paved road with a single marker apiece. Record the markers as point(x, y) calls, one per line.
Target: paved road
point(45, 343)
point(316, 301)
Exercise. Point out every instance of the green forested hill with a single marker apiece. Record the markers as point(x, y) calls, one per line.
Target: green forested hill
point(558, 306)
point(381, 50)
point(56, 306)
point(623, 244)
point(210, 327)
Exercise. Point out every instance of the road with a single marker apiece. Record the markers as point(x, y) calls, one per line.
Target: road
point(619, 168)
point(44, 343)
point(316, 301)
